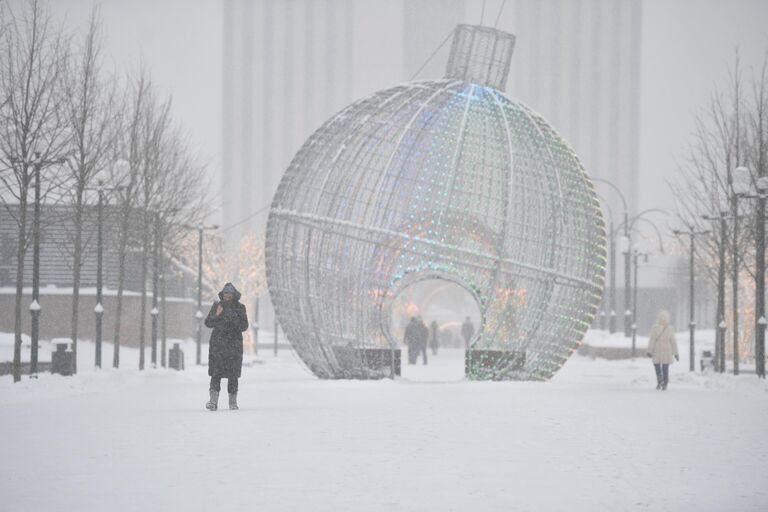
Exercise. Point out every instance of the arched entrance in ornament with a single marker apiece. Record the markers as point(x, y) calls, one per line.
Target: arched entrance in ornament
point(442, 302)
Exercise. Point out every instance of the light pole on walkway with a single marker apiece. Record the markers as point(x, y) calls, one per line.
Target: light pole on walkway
point(636, 253)
point(199, 314)
point(609, 308)
point(627, 270)
point(99, 308)
point(35, 308)
point(691, 320)
point(742, 175)
point(632, 314)
point(720, 340)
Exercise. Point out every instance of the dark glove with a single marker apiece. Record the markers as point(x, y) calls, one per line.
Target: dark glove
point(648, 354)
point(677, 357)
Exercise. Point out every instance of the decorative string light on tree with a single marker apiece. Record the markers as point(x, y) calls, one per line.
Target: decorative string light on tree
point(440, 179)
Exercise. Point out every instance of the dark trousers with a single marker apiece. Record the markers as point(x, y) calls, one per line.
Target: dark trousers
point(662, 373)
point(424, 352)
point(231, 384)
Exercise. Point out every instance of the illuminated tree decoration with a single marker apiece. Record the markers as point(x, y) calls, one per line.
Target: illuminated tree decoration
point(446, 179)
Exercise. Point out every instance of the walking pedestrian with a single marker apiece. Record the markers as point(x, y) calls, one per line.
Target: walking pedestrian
point(423, 338)
point(434, 334)
point(228, 319)
point(411, 339)
point(662, 347)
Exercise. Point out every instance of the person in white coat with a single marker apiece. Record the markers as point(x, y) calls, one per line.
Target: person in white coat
point(662, 347)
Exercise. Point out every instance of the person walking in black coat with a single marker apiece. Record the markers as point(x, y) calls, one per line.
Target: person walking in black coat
point(228, 319)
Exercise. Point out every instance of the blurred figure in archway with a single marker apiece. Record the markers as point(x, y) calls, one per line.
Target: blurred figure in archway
point(411, 339)
point(467, 331)
point(423, 339)
point(434, 333)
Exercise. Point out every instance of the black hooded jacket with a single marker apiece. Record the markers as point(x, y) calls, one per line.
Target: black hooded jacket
point(225, 349)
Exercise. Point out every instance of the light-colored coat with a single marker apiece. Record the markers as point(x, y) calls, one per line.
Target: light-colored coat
point(662, 344)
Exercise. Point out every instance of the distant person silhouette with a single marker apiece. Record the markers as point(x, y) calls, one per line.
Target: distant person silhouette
point(467, 331)
point(434, 334)
point(411, 339)
point(423, 338)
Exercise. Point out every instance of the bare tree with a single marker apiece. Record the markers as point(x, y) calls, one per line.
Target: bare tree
point(181, 199)
point(31, 125)
point(731, 131)
point(164, 188)
point(156, 125)
point(129, 176)
point(92, 113)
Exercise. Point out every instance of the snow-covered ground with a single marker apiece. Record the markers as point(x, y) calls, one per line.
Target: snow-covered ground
point(597, 437)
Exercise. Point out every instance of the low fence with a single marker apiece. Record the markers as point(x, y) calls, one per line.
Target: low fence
point(611, 352)
point(55, 320)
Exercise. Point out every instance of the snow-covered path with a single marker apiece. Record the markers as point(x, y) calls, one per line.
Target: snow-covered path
point(597, 437)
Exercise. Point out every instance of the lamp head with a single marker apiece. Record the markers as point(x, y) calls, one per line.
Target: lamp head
point(741, 181)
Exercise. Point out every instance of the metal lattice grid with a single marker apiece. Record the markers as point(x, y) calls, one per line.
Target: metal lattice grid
point(441, 179)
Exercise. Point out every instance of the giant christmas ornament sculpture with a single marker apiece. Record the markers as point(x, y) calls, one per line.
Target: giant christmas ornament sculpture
point(442, 179)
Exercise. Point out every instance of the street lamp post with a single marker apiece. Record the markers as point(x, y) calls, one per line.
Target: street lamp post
point(762, 188)
point(198, 349)
point(760, 348)
point(627, 269)
point(735, 284)
point(626, 250)
point(199, 337)
point(691, 322)
point(721, 294)
point(255, 327)
point(612, 278)
point(161, 277)
point(155, 278)
point(741, 185)
point(628, 228)
point(739, 181)
point(154, 314)
point(627, 273)
point(722, 326)
point(35, 308)
point(99, 308)
point(199, 314)
point(636, 256)
point(720, 340)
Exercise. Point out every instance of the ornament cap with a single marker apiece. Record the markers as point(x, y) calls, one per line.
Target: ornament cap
point(480, 55)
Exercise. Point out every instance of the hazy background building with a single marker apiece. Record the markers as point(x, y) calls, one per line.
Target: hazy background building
point(288, 65)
